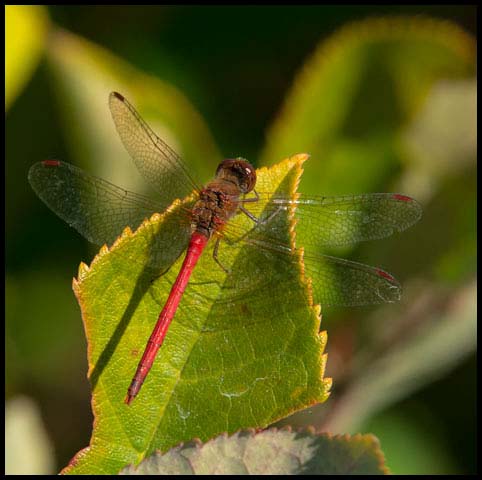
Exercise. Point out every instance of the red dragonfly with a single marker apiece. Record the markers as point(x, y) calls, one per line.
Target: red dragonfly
point(100, 211)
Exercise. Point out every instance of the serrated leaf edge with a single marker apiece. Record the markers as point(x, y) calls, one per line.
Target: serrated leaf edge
point(298, 160)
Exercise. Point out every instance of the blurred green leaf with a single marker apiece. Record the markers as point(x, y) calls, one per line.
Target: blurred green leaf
point(434, 336)
point(451, 248)
point(25, 34)
point(28, 451)
point(441, 141)
point(85, 74)
point(272, 452)
point(217, 371)
point(361, 87)
point(405, 437)
point(36, 354)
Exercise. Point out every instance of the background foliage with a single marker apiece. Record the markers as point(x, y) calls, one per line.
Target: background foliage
point(214, 81)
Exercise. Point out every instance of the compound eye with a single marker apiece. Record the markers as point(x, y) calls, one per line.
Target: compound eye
point(249, 175)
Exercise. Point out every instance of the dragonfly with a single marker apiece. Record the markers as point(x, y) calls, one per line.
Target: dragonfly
point(100, 211)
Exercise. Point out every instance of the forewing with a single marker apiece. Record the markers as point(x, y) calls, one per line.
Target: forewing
point(336, 221)
point(160, 166)
point(97, 209)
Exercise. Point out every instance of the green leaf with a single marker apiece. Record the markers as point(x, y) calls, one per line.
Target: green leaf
point(404, 436)
point(84, 75)
point(35, 353)
point(25, 32)
point(359, 91)
point(223, 366)
point(441, 141)
point(272, 452)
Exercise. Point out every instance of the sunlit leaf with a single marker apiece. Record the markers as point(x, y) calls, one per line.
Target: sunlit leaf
point(223, 366)
point(272, 452)
point(25, 33)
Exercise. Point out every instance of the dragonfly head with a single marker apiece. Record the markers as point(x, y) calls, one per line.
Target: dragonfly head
point(238, 171)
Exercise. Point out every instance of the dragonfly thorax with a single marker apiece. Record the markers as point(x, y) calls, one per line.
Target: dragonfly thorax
point(216, 205)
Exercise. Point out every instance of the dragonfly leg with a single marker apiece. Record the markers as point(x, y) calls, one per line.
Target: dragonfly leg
point(259, 221)
point(246, 212)
point(215, 256)
point(249, 214)
point(250, 200)
point(271, 216)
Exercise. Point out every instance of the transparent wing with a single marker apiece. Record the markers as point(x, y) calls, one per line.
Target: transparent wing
point(336, 221)
point(334, 281)
point(155, 160)
point(97, 209)
point(321, 222)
